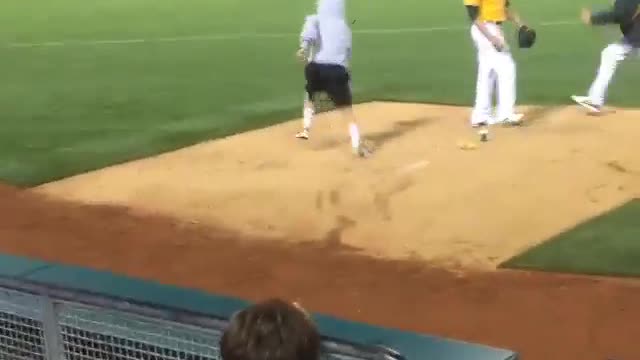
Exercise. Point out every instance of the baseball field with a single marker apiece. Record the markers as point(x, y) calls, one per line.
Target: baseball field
point(156, 139)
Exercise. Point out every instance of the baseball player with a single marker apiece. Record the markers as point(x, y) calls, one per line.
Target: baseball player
point(328, 71)
point(309, 45)
point(495, 63)
point(625, 13)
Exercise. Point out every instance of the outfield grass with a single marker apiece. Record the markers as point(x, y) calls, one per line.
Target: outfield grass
point(82, 106)
point(606, 245)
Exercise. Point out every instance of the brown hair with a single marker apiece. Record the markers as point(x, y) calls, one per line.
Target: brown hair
point(271, 330)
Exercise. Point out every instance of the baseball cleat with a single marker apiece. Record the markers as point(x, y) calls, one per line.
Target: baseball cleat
point(513, 119)
point(586, 103)
point(304, 135)
point(364, 150)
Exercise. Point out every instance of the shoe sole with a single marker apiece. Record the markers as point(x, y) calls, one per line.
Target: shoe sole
point(592, 108)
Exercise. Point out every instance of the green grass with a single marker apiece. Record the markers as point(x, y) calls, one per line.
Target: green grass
point(78, 107)
point(606, 245)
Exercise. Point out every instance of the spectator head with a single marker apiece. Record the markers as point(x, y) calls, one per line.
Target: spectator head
point(271, 330)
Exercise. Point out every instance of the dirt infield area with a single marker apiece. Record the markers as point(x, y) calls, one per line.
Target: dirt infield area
point(262, 214)
point(421, 196)
point(542, 316)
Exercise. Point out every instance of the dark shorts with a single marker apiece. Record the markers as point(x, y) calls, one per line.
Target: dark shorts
point(330, 79)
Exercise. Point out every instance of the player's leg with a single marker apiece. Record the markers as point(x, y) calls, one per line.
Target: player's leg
point(610, 58)
point(346, 112)
point(481, 114)
point(493, 83)
point(339, 91)
point(504, 67)
point(308, 111)
point(313, 85)
point(506, 71)
point(485, 80)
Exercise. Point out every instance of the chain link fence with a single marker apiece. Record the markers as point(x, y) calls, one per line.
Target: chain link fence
point(34, 325)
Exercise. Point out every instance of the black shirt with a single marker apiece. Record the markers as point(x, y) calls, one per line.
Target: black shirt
point(625, 13)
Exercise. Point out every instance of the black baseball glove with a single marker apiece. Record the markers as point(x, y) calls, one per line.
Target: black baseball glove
point(526, 37)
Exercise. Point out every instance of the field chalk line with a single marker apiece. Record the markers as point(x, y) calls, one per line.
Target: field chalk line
point(413, 167)
point(238, 36)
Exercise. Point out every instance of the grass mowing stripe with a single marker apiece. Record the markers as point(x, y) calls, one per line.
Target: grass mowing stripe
point(214, 37)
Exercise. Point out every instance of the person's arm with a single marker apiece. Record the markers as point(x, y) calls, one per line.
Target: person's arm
point(513, 15)
point(599, 18)
point(308, 36)
point(615, 15)
point(473, 11)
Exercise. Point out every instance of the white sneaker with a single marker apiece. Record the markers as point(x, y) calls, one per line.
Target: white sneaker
point(493, 122)
point(490, 120)
point(513, 119)
point(586, 103)
point(304, 135)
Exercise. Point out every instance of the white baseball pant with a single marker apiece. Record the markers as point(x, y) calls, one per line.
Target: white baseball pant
point(610, 58)
point(493, 66)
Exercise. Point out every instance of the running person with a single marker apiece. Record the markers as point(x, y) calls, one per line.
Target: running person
point(328, 71)
point(625, 13)
point(495, 63)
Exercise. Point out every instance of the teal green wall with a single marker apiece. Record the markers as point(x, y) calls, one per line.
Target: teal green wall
point(412, 346)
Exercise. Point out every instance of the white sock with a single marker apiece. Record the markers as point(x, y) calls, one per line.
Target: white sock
point(355, 135)
point(307, 118)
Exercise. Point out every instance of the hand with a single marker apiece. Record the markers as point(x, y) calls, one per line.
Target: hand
point(585, 16)
point(301, 55)
point(497, 43)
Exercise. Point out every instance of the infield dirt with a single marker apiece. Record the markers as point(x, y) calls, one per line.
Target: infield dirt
point(541, 316)
point(420, 196)
point(261, 214)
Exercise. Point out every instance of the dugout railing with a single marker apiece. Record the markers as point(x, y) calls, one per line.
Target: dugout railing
point(39, 322)
point(52, 311)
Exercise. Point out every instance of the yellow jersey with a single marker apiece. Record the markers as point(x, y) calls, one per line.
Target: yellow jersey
point(490, 10)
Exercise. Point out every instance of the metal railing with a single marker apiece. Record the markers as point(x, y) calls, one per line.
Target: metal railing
point(44, 323)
